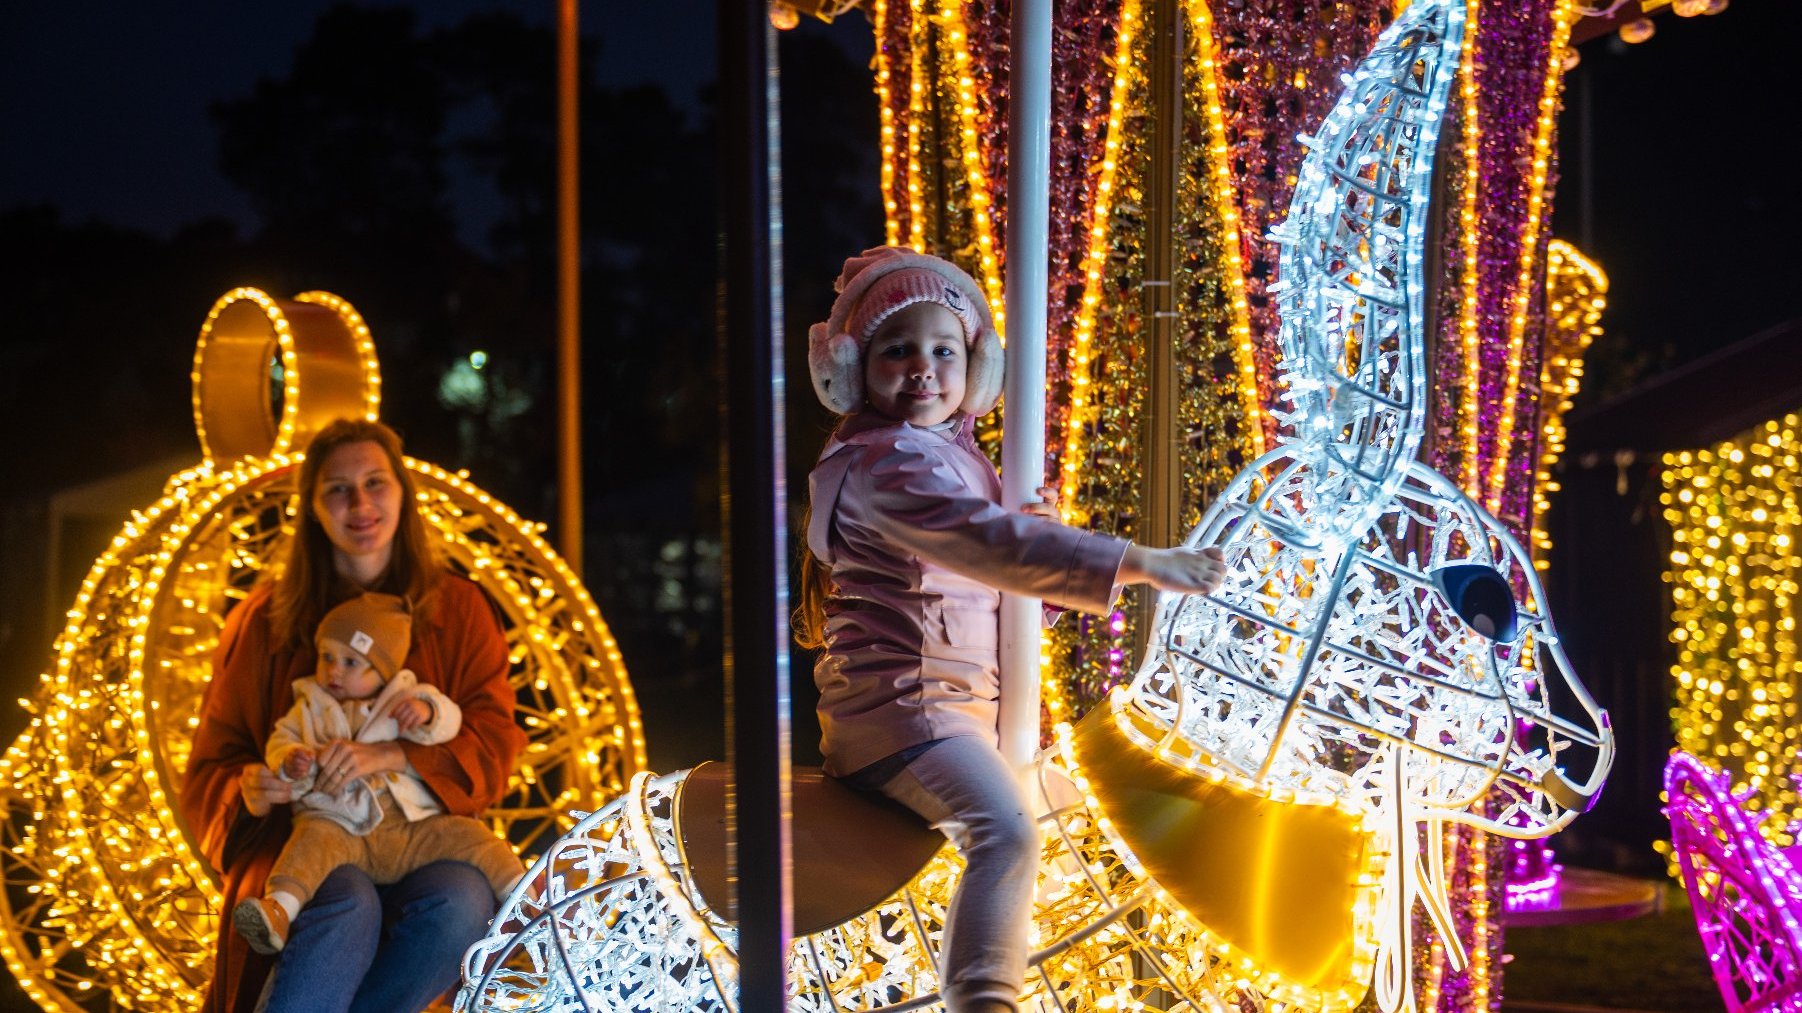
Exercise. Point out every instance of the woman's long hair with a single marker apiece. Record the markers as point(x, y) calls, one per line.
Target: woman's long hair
point(309, 585)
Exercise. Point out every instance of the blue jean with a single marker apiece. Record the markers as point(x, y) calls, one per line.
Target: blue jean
point(381, 949)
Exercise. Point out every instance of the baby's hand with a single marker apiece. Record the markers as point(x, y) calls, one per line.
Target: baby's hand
point(410, 714)
point(1046, 507)
point(1181, 569)
point(298, 763)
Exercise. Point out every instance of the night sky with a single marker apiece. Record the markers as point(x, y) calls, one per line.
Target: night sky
point(105, 106)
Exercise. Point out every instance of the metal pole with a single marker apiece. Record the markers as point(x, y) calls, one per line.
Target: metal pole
point(1163, 449)
point(1023, 433)
point(756, 507)
point(569, 289)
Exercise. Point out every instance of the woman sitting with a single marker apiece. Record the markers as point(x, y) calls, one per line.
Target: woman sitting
point(354, 945)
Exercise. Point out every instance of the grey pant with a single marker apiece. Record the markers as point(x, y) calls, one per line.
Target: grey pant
point(968, 792)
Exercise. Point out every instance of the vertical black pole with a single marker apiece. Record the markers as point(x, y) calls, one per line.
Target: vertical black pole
point(756, 510)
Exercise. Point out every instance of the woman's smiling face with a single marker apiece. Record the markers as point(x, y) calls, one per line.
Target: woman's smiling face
point(915, 366)
point(357, 502)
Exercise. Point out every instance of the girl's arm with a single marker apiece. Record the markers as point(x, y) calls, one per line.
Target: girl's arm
point(920, 503)
point(909, 494)
point(1179, 568)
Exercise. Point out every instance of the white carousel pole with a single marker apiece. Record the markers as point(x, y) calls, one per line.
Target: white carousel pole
point(1023, 431)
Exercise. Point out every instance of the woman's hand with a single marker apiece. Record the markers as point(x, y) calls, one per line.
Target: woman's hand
point(1180, 568)
point(1046, 507)
point(263, 789)
point(344, 761)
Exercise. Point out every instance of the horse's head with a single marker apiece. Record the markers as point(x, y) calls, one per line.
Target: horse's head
point(1379, 636)
point(1425, 644)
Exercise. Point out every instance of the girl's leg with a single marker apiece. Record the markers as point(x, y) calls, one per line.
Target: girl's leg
point(330, 946)
point(971, 794)
point(430, 918)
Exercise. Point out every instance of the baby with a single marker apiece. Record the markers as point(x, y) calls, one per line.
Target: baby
point(386, 824)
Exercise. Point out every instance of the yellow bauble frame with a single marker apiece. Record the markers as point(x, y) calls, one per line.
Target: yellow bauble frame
point(106, 903)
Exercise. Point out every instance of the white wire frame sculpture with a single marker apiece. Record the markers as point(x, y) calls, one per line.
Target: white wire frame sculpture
point(1333, 669)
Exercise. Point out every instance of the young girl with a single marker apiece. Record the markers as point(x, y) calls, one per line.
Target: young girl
point(910, 550)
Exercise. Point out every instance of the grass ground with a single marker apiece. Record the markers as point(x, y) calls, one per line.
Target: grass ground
point(1653, 963)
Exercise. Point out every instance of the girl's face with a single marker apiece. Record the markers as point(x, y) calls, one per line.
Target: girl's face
point(357, 502)
point(914, 368)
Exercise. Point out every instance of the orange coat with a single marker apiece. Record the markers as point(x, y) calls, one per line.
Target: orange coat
point(457, 646)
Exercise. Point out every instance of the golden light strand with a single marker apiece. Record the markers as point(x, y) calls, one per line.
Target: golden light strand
point(1480, 887)
point(1576, 293)
point(359, 331)
point(1220, 174)
point(885, 96)
point(916, 114)
point(1734, 566)
point(1081, 414)
point(1469, 236)
point(969, 117)
point(1544, 129)
point(1057, 648)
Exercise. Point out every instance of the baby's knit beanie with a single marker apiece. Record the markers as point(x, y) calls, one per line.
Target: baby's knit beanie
point(377, 626)
point(876, 285)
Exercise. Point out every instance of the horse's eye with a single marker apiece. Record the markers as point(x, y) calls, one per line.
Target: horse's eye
point(1481, 598)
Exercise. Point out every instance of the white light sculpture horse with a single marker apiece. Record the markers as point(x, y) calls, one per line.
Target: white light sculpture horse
point(1244, 824)
point(1366, 645)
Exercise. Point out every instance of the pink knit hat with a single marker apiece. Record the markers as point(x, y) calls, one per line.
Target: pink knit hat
point(874, 286)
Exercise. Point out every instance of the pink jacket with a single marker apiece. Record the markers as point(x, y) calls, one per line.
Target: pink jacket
point(910, 523)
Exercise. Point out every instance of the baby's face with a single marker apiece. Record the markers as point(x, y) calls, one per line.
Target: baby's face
point(346, 674)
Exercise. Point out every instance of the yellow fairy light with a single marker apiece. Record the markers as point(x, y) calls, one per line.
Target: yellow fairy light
point(371, 369)
point(1480, 887)
point(970, 126)
point(918, 29)
point(1576, 294)
point(1563, 14)
point(1081, 412)
point(1735, 517)
point(884, 97)
point(1469, 237)
point(1251, 401)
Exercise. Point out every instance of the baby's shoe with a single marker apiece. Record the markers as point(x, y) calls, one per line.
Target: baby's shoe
point(262, 922)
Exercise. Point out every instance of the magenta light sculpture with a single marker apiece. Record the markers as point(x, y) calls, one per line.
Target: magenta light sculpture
point(1746, 895)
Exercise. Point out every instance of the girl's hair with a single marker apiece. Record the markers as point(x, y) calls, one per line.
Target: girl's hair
point(309, 584)
point(809, 617)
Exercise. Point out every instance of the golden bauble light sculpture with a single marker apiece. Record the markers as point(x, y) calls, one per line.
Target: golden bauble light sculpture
point(107, 904)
